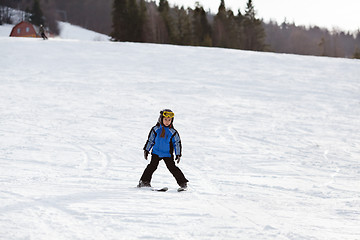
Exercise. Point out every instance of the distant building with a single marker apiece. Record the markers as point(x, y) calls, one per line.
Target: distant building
point(24, 29)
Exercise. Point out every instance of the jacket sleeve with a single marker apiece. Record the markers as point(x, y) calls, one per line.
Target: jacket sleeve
point(151, 140)
point(177, 144)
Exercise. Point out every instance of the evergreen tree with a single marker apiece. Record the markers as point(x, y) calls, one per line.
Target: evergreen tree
point(239, 19)
point(219, 26)
point(253, 29)
point(357, 39)
point(134, 26)
point(2, 13)
point(225, 28)
point(183, 27)
point(357, 53)
point(128, 20)
point(37, 17)
point(120, 14)
point(142, 20)
point(164, 10)
point(222, 6)
point(201, 27)
point(27, 15)
point(206, 29)
point(164, 6)
point(5, 16)
point(321, 45)
point(232, 30)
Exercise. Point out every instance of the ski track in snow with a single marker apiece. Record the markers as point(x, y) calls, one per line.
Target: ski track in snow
point(271, 142)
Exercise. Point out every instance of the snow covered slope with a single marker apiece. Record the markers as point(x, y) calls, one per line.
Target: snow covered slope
point(271, 143)
point(5, 30)
point(67, 31)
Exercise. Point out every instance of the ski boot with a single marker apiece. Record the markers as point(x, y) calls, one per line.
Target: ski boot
point(183, 187)
point(143, 184)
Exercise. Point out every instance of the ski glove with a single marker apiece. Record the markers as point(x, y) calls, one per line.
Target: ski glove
point(177, 159)
point(146, 153)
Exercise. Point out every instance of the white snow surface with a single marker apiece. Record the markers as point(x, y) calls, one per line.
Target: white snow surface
point(69, 31)
point(5, 30)
point(271, 142)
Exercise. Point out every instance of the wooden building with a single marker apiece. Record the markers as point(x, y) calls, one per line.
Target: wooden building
point(24, 29)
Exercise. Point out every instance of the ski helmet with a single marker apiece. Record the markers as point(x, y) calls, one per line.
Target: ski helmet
point(166, 113)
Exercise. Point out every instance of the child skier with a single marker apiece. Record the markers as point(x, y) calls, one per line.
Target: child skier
point(163, 139)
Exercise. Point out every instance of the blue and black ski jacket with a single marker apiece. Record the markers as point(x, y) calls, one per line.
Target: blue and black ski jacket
point(163, 147)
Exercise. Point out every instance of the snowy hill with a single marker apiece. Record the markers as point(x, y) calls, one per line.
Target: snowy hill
point(271, 143)
point(67, 31)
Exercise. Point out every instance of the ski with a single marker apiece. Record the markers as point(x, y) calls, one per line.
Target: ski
point(164, 189)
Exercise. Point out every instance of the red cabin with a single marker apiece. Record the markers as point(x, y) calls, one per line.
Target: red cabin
point(23, 29)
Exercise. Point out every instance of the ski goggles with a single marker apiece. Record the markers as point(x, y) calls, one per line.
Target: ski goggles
point(168, 114)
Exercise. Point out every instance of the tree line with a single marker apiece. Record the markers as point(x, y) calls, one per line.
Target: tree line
point(141, 21)
point(289, 38)
point(158, 22)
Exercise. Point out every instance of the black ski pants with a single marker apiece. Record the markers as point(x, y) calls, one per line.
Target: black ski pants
point(170, 164)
